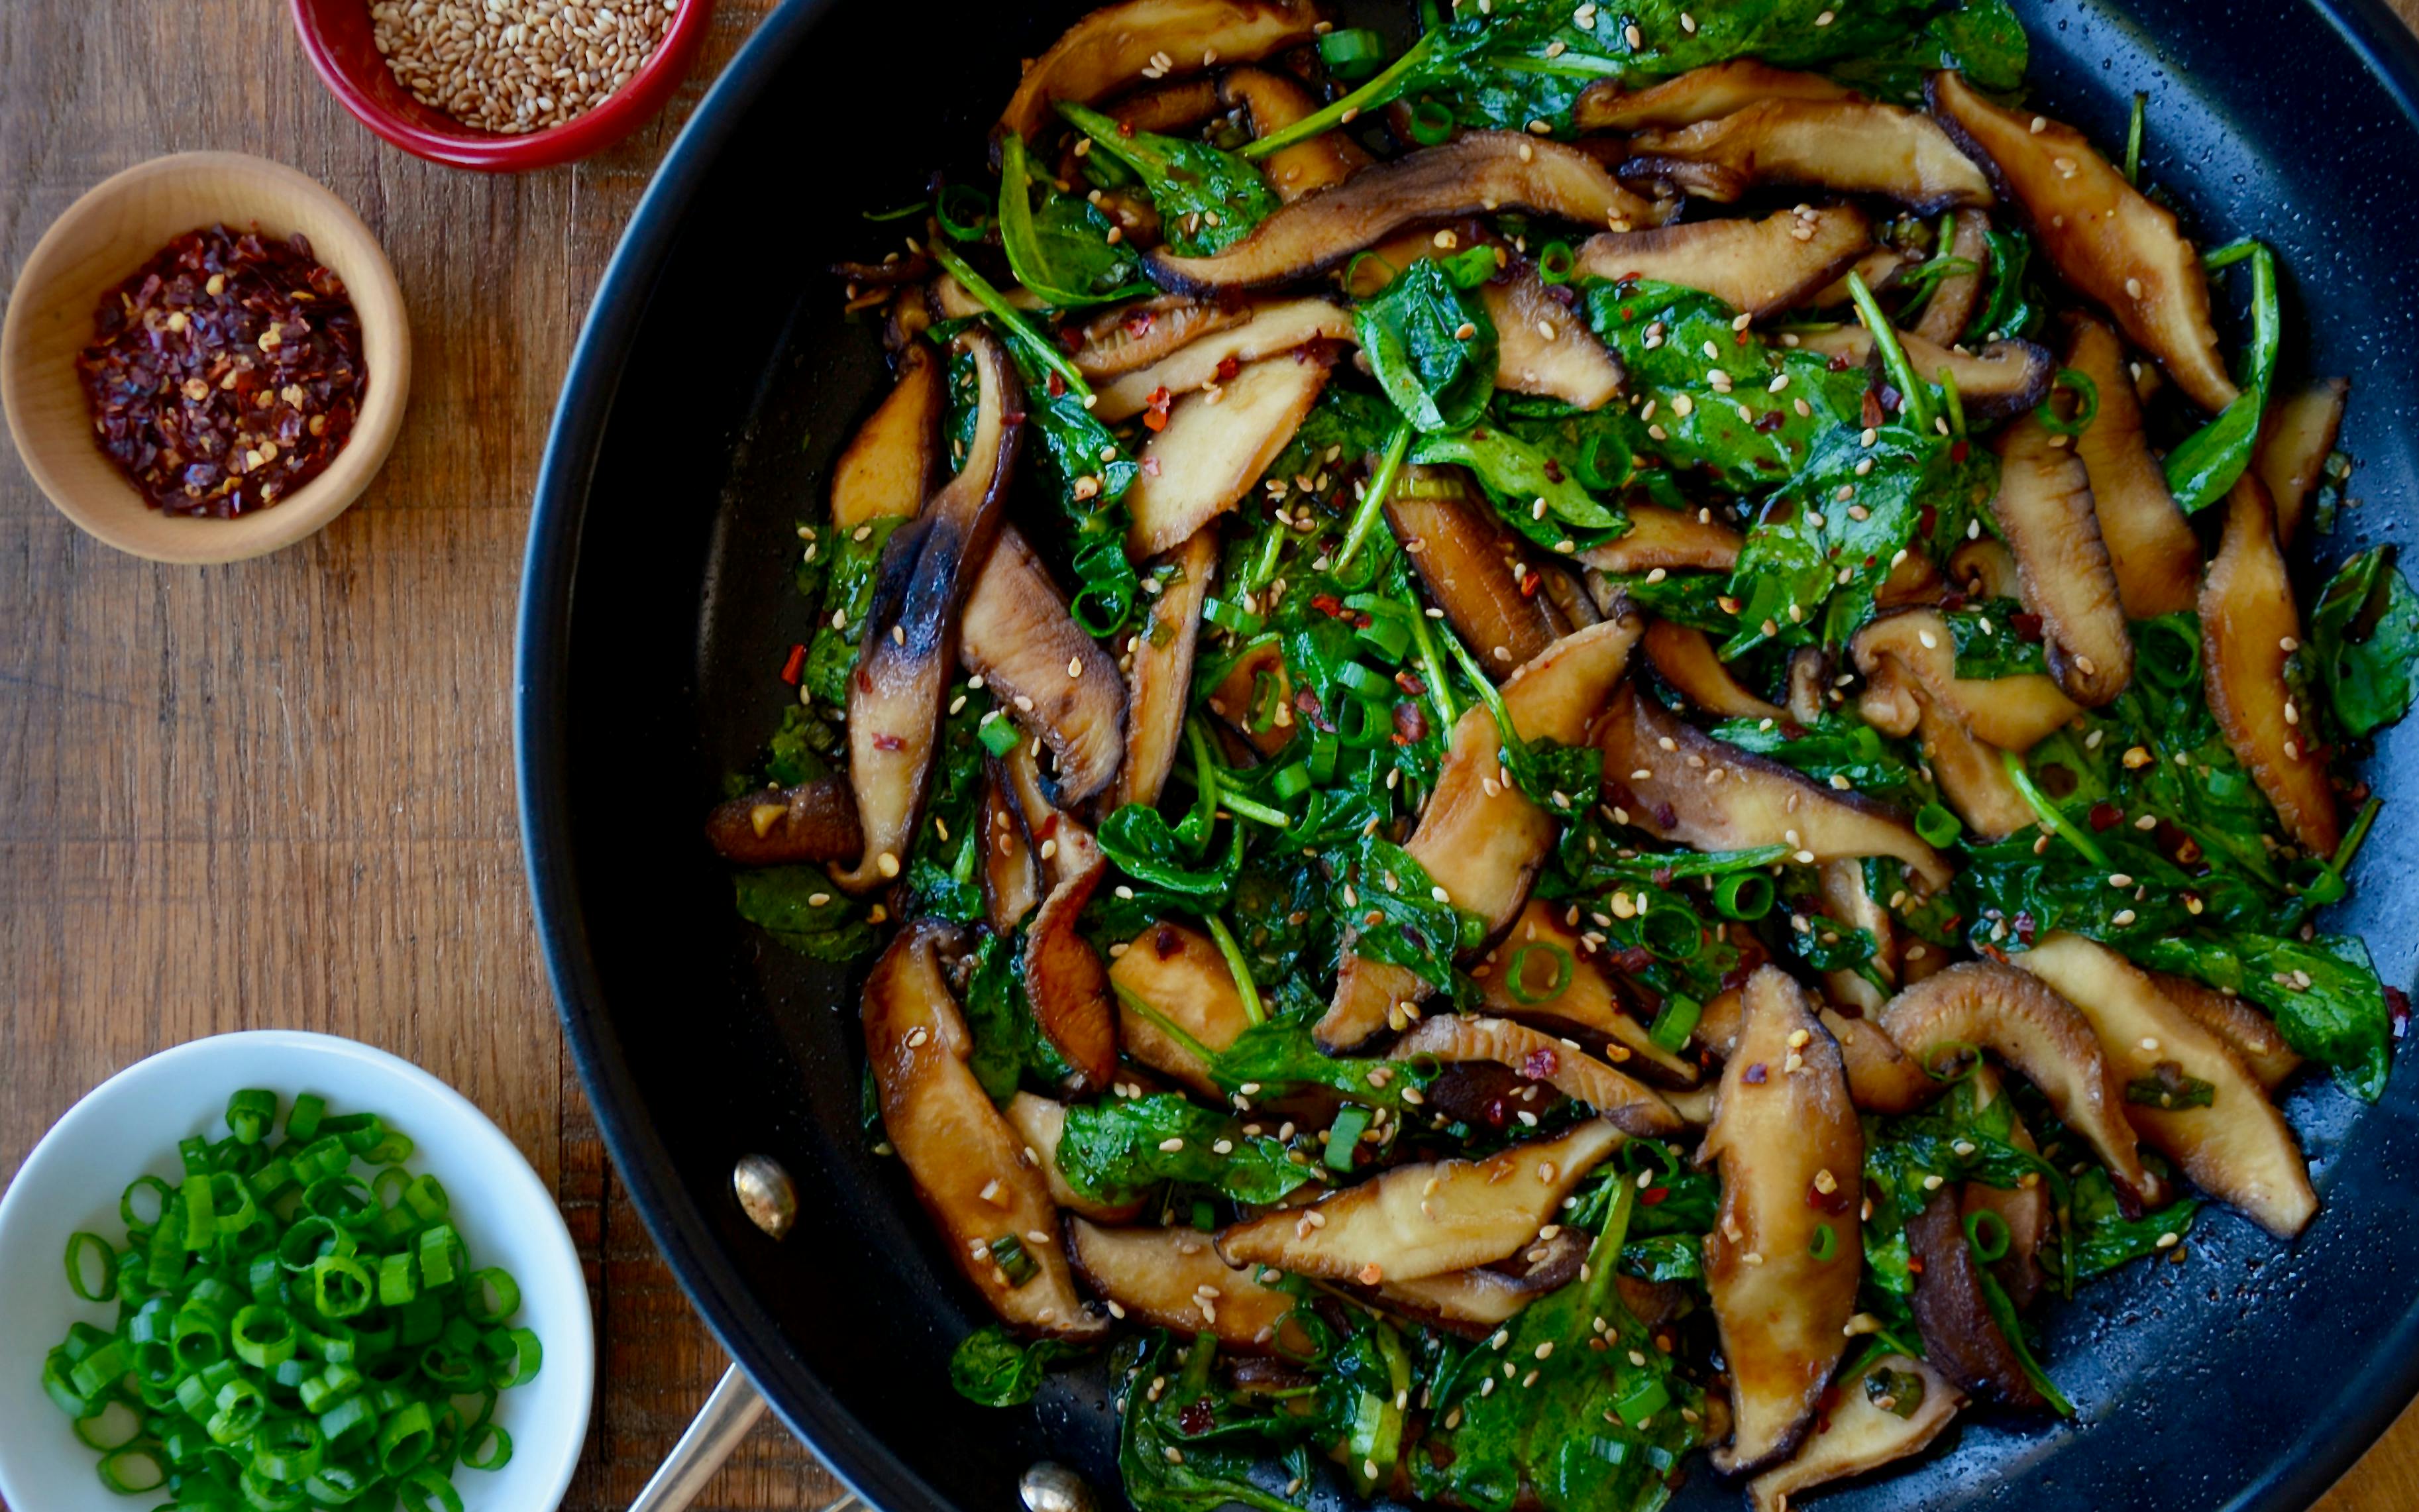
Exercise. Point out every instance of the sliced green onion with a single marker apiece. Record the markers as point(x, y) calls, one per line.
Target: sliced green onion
point(404, 1438)
point(1825, 1244)
point(1353, 52)
point(965, 213)
point(1557, 263)
point(1671, 935)
point(1388, 635)
point(342, 1286)
point(1743, 895)
point(2168, 654)
point(998, 733)
point(1286, 784)
point(159, 1191)
point(487, 1446)
point(1937, 825)
point(1008, 1252)
point(2133, 139)
point(302, 1119)
point(1674, 1022)
point(113, 1427)
point(426, 1490)
point(1516, 973)
point(1343, 1134)
point(132, 1469)
point(1362, 725)
point(1987, 1233)
point(1365, 680)
point(513, 1356)
point(1642, 1403)
point(92, 1266)
point(1232, 617)
point(250, 1113)
point(2086, 402)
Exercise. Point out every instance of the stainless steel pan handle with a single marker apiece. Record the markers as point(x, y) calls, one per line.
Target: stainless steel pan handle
point(725, 1419)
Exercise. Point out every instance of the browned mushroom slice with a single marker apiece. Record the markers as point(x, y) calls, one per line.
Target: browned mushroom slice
point(1135, 336)
point(1274, 329)
point(1425, 1220)
point(1913, 580)
point(1760, 267)
point(1542, 346)
point(1848, 901)
point(1881, 1076)
point(1984, 569)
point(1161, 681)
point(1177, 106)
point(1677, 782)
point(1454, 1037)
point(887, 469)
point(2247, 619)
point(1669, 539)
point(1176, 997)
point(1216, 446)
point(2249, 1033)
point(1477, 172)
point(1792, 1156)
point(1480, 839)
point(2108, 239)
point(1172, 1278)
point(1879, 268)
point(1068, 985)
point(1114, 46)
point(2186, 1092)
point(1273, 102)
point(1369, 272)
point(2012, 713)
point(1961, 1336)
point(952, 301)
point(1054, 679)
point(2151, 548)
point(1684, 658)
point(2044, 509)
point(1588, 1001)
point(1951, 309)
point(1064, 848)
point(1470, 564)
point(1011, 881)
point(812, 821)
point(1853, 146)
point(1256, 698)
point(967, 1163)
point(1566, 598)
point(2007, 377)
point(1971, 774)
point(1041, 1123)
point(2045, 1038)
point(1892, 1407)
point(1703, 94)
point(911, 624)
point(2293, 448)
point(1477, 1302)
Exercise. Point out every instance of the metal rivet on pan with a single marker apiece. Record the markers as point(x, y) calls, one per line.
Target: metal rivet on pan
point(1050, 1487)
point(765, 1193)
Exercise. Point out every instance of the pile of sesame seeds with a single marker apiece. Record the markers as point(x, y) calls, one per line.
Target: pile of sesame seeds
point(516, 65)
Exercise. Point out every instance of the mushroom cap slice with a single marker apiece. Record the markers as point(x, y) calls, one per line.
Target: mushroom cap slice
point(1012, 878)
point(1686, 659)
point(1053, 680)
point(1854, 147)
point(1970, 773)
point(1862, 1434)
point(1882, 1078)
point(1759, 267)
point(2237, 1148)
point(1589, 1001)
point(1669, 539)
point(911, 623)
point(1960, 1336)
point(2294, 443)
point(1174, 1278)
point(2152, 547)
point(1274, 327)
point(2108, 241)
point(1784, 1130)
point(1178, 974)
point(1216, 446)
point(887, 468)
point(1160, 685)
point(1454, 1037)
point(2012, 712)
point(1041, 1123)
point(2249, 1033)
point(2247, 618)
point(1487, 1297)
point(1476, 172)
point(2019, 1018)
point(1427, 1219)
point(1236, 700)
point(1470, 564)
point(815, 821)
point(1273, 101)
point(1708, 795)
point(1110, 49)
point(1951, 308)
point(2045, 510)
point(2006, 378)
point(1703, 94)
point(1126, 338)
point(1544, 348)
point(1066, 984)
point(967, 1163)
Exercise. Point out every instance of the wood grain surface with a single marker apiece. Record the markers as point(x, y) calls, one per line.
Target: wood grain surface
point(280, 794)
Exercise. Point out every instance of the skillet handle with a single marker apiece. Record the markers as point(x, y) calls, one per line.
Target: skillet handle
point(720, 1424)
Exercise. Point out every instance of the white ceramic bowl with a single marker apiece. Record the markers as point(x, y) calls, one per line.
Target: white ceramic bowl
point(131, 1124)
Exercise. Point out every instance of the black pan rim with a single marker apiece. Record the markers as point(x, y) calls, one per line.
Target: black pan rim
point(673, 1212)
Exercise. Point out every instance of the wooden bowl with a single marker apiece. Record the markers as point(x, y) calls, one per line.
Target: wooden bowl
point(102, 238)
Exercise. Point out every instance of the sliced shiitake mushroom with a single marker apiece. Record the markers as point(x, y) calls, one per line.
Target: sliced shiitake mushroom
point(1478, 1301)
point(1984, 567)
point(967, 1163)
point(1849, 902)
point(1274, 327)
point(1685, 660)
point(1971, 774)
point(2044, 510)
point(2043, 1036)
point(1216, 446)
point(1879, 268)
point(1177, 974)
point(1174, 1278)
point(1066, 984)
point(887, 471)
point(815, 821)
point(1451, 1038)
point(1053, 680)
point(1111, 48)
point(1480, 839)
point(1476, 172)
point(1882, 1078)
point(1759, 267)
point(1011, 879)
point(1255, 698)
point(1792, 1156)
point(911, 623)
point(1587, 1001)
point(2006, 378)
point(2247, 619)
point(1040, 1124)
point(1960, 1336)
point(1131, 337)
point(1669, 539)
point(2151, 548)
point(1178, 105)
point(2012, 712)
point(1427, 1219)
point(1677, 782)
point(1543, 347)
point(2249, 1033)
point(2186, 1092)
point(1951, 308)
point(1470, 564)
point(1855, 147)
point(2294, 443)
point(1160, 685)
point(1703, 94)
point(2024, 1208)
point(2109, 241)
point(1891, 1408)
point(1273, 101)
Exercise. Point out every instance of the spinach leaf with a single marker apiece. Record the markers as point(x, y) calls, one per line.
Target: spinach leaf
point(1982, 39)
point(848, 593)
point(1666, 1257)
point(1394, 914)
point(1116, 1151)
point(1062, 252)
point(1182, 1446)
point(2016, 305)
point(2323, 994)
point(1281, 1054)
point(1430, 346)
point(1990, 646)
point(2101, 1238)
point(2364, 642)
point(781, 900)
point(1142, 845)
point(1518, 477)
point(1009, 1048)
point(1695, 599)
point(796, 752)
point(2205, 465)
point(1837, 745)
point(1088, 473)
point(995, 1367)
point(1206, 199)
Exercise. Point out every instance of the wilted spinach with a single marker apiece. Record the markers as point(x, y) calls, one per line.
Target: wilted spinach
point(995, 1367)
point(2364, 642)
point(1430, 346)
point(1116, 1151)
point(1206, 199)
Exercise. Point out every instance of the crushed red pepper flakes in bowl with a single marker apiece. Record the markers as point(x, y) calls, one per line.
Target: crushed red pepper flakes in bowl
point(227, 373)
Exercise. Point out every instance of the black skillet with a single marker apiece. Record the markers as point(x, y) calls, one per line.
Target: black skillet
point(715, 379)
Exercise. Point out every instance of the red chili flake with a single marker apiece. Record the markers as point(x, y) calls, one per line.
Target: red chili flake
point(792, 669)
point(1953, 602)
point(1070, 339)
point(1529, 582)
point(2025, 926)
point(2105, 817)
point(1411, 720)
point(1835, 1200)
point(1155, 411)
point(1056, 386)
point(1125, 128)
point(1872, 412)
point(1540, 1063)
point(1770, 421)
point(2397, 1005)
point(1959, 451)
point(1306, 704)
point(1553, 470)
point(2027, 625)
point(1629, 312)
point(1927, 520)
point(1138, 324)
point(1756, 1074)
point(1329, 604)
point(1653, 1195)
point(1915, 1265)
point(1495, 1115)
point(1993, 952)
point(1150, 467)
point(1228, 366)
point(1409, 683)
point(1166, 942)
point(1629, 959)
point(1199, 1416)
point(888, 742)
point(226, 374)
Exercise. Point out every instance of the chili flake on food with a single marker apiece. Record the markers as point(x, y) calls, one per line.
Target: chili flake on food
point(226, 374)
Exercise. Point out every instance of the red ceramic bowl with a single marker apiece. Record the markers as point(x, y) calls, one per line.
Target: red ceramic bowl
point(336, 34)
